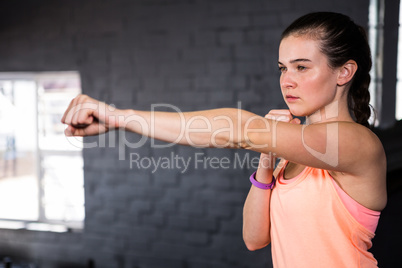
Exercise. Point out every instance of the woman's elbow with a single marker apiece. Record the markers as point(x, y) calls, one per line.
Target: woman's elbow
point(255, 245)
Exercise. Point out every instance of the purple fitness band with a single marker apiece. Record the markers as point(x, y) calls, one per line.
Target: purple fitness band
point(262, 185)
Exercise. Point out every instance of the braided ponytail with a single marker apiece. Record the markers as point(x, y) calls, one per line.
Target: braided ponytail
point(341, 40)
point(359, 101)
point(359, 95)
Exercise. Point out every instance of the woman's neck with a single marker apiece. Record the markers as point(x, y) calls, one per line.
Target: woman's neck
point(330, 113)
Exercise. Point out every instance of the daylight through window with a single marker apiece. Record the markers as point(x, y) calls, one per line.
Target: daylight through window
point(41, 171)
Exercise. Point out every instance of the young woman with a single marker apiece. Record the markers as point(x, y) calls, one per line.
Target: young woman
point(322, 217)
point(324, 208)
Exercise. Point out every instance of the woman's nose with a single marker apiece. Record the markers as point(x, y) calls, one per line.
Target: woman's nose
point(287, 80)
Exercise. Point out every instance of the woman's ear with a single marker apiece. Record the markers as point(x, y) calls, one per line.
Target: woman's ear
point(346, 72)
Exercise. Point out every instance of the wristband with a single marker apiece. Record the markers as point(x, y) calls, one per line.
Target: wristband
point(262, 185)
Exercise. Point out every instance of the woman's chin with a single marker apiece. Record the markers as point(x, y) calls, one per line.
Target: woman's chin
point(297, 113)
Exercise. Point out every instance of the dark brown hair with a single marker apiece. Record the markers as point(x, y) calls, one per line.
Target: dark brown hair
point(341, 40)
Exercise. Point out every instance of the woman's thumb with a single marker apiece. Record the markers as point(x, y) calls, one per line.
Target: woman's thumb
point(295, 121)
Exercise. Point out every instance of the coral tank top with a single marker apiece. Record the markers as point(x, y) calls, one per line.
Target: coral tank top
point(311, 226)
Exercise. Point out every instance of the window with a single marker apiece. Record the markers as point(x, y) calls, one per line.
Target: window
point(385, 41)
point(375, 36)
point(41, 171)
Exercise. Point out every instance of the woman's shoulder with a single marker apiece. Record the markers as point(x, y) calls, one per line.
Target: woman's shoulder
point(361, 149)
point(362, 135)
point(370, 158)
point(370, 138)
point(368, 174)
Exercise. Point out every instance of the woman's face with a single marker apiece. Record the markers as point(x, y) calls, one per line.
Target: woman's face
point(307, 82)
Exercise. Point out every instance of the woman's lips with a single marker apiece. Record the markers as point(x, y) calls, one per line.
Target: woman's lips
point(291, 98)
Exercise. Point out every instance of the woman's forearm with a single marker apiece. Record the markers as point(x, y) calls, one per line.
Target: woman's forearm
point(256, 210)
point(225, 128)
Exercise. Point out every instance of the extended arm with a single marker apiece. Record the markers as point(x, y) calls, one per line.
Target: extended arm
point(224, 127)
point(333, 145)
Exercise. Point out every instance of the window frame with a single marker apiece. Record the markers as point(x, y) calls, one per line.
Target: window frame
point(43, 223)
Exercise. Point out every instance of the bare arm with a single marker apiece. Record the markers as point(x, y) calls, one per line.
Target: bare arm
point(224, 127)
point(337, 146)
point(256, 210)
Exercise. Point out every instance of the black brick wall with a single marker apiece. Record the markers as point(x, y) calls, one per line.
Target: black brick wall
point(188, 53)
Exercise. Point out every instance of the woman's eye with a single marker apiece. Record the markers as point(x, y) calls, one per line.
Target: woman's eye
point(301, 68)
point(282, 69)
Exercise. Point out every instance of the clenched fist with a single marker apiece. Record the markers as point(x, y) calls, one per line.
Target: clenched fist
point(86, 116)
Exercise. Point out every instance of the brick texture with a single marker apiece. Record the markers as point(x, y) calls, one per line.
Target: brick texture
point(192, 54)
